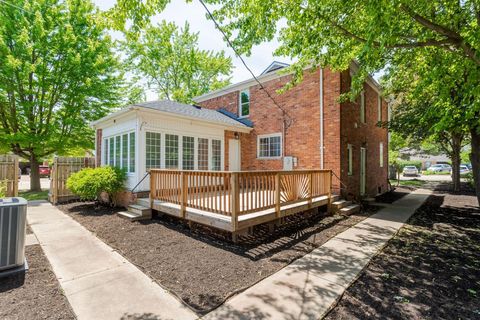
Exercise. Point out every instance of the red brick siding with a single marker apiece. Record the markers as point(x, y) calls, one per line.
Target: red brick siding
point(302, 137)
point(98, 148)
point(367, 135)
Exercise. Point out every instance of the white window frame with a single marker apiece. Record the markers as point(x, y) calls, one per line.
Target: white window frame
point(106, 162)
point(349, 159)
point(381, 154)
point(240, 107)
point(180, 135)
point(271, 135)
point(379, 108)
point(362, 107)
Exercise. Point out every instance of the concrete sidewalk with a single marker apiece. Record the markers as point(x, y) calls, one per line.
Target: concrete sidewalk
point(308, 288)
point(98, 282)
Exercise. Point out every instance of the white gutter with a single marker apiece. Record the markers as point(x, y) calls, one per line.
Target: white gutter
point(321, 119)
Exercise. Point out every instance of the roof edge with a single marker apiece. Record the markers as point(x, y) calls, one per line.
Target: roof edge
point(268, 77)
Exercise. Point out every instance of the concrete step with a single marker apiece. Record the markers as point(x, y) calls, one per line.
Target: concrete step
point(339, 204)
point(139, 209)
point(131, 216)
point(351, 209)
point(336, 197)
point(143, 202)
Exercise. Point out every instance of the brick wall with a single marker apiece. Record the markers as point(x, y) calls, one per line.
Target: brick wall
point(98, 148)
point(367, 135)
point(301, 138)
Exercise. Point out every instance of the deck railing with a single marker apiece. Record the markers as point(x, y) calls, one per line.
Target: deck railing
point(238, 193)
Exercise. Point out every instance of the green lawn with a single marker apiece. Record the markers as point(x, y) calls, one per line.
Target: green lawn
point(34, 195)
point(410, 183)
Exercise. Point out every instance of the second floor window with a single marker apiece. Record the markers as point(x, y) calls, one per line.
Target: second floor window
point(244, 108)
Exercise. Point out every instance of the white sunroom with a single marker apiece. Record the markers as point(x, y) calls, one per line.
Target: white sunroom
point(163, 134)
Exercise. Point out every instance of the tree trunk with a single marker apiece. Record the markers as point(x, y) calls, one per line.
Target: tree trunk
point(455, 156)
point(475, 159)
point(34, 175)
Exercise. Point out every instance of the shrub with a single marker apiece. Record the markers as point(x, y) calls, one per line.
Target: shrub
point(88, 183)
point(3, 189)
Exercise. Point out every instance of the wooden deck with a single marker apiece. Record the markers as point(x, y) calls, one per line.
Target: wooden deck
point(236, 201)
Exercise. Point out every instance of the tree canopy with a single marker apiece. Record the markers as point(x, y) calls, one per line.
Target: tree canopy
point(171, 61)
point(57, 73)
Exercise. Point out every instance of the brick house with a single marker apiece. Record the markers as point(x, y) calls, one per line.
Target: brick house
point(317, 131)
point(240, 128)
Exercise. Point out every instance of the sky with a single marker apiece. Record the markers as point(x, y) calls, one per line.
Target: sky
point(210, 38)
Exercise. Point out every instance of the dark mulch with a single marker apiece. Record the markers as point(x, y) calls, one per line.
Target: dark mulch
point(36, 295)
point(201, 267)
point(430, 270)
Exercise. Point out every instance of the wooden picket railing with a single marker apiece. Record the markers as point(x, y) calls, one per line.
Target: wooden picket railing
point(238, 193)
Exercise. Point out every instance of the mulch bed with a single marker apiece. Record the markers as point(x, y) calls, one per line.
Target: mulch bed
point(36, 295)
point(430, 270)
point(203, 268)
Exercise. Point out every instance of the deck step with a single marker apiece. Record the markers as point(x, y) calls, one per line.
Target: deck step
point(351, 209)
point(131, 216)
point(339, 204)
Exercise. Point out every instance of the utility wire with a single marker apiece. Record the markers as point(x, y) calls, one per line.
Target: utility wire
point(14, 6)
point(230, 44)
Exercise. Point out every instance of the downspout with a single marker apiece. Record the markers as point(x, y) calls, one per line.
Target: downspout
point(321, 119)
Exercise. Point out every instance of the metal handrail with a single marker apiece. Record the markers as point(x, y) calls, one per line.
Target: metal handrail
point(146, 174)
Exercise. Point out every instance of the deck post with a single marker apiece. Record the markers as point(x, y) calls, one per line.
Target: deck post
point(152, 186)
point(277, 194)
point(183, 193)
point(235, 204)
point(310, 190)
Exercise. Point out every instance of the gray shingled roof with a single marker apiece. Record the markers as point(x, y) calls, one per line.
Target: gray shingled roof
point(190, 111)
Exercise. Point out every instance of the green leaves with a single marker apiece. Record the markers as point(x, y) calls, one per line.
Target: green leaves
point(57, 73)
point(172, 63)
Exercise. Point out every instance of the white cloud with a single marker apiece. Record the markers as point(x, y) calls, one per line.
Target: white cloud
point(210, 38)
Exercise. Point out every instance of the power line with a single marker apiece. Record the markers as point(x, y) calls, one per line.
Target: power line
point(230, 44)
point(14, 6)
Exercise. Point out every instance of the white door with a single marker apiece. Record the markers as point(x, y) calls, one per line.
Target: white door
point(363, 163)
point(234, 155)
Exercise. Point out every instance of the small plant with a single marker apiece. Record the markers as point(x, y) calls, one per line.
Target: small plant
point(89, 183)
point(3, 188)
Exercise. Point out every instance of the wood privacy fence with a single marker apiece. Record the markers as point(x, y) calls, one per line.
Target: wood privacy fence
point(64, 167)
point(9, 174)
point(238, 193)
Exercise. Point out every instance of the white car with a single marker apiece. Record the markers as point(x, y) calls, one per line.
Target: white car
point(464, 169)
point(440, 168)
point(410, 171)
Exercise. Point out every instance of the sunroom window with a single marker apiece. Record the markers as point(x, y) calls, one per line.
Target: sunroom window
point(216, 155)
point(244, 103)
point(152, 145)
point(171, 151)
point(188, 153)
point(120, 151)
point(202, 154)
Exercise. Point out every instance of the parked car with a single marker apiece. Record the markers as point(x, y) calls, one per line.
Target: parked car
point(440, 168)
point(464, 169)
point(44, 171)
point(468, 165)
point(410, 171)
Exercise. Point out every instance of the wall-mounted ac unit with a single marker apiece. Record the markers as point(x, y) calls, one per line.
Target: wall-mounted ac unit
point(13, 222)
